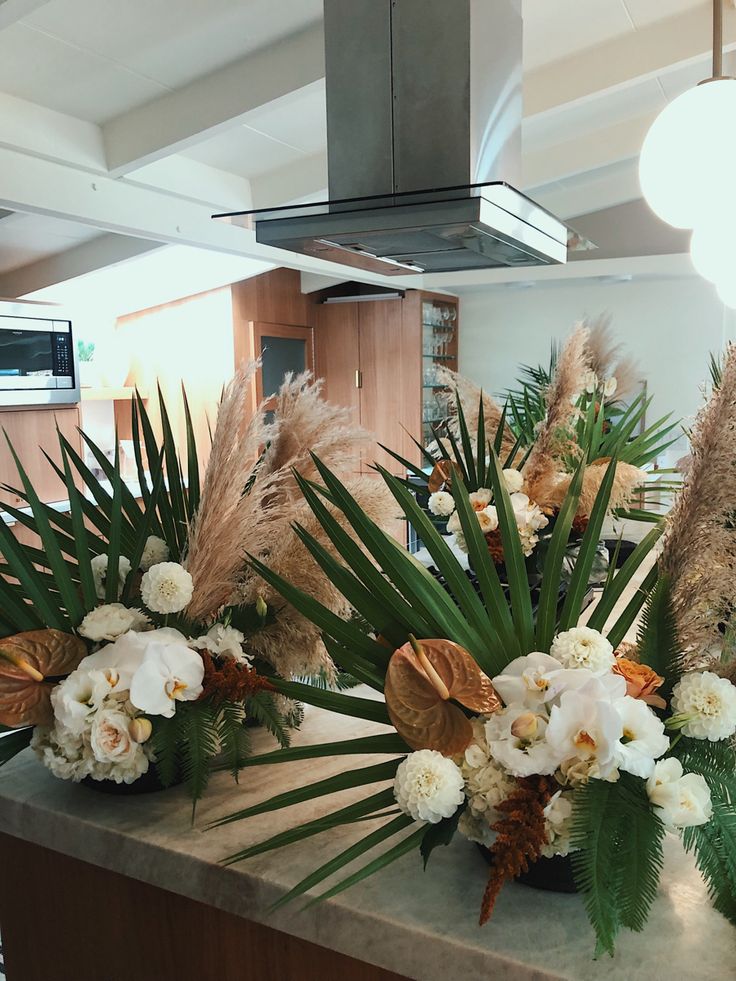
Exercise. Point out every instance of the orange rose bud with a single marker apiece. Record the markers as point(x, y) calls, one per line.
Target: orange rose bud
point(641, 681)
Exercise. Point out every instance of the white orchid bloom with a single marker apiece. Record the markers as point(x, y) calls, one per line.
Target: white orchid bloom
point(644, 737)
point(517, 740)
point(529, 680)
point(171, 672)
point(588, 729)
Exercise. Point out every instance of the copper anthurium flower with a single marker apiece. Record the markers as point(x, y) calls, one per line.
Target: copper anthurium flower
point(421, 680)
point(27, 661)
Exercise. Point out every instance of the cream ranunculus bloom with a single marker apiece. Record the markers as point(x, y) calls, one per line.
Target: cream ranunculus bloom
point(514, 480)
point(166, 588)
point(682, 799)
point(99, 573)
point(111, 621)
point(154, 551)
point(170, 672)
point(441, 504)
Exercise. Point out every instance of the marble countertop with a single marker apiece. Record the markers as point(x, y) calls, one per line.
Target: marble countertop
point(419, 924)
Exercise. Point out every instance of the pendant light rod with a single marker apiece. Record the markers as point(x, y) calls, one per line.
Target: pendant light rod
point(717, 38)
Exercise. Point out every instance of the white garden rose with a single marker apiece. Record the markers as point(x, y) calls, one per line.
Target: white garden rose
point(220, 639)
point(480, 499)
point(644, 739)
point(441, 504)
point(170, 672)
point(110, 737)
point(428, 786)
point(154, 551)
point(166, 588)
point(682, 799)
point(514, 480)
point(704, 706)
point(583, 647)
point(110, 621)
point(491, 513)
point(99, 573)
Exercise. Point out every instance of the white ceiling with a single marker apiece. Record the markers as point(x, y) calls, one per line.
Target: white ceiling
point(99, 60)
point(95, 59)
point(28, 238)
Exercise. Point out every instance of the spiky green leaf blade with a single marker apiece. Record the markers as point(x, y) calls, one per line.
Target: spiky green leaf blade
point(521, 604)
point(405, 846)
point(620, 582)
point(72, 606)
point(86, 576)
point(487, 575)
point(384, 743)
point(364, 776)
point(552, 573)
point(193, 484)
point(173, 474)
point(145, 529)
point(365, 844)
point(369, 709)
point(626, 619)
point(165, 509)
point(361, 669)
point(344, 815)
point(45, 603)
point(355, 558)
point(578, 585)
point(13, 743)
point(16, 612)
point(113, 585)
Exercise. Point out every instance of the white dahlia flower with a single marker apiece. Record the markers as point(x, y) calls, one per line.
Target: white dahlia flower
point(99, 573)
point(441, 504)
point(428, 786)
point(682, 799)
point(704, 706)
point(154, 551)
point(166, 588)
point(583, 647)
point(111, 621)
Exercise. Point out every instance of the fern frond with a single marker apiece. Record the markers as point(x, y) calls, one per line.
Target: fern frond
point(262, 707)
point(657, 640)
point(165, 742)
point(198, 745)
point(233, 737)
point(640, 858)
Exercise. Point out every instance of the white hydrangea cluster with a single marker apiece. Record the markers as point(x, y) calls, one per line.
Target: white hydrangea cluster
point(486, 783)
point(558, 825)
point(428, 786)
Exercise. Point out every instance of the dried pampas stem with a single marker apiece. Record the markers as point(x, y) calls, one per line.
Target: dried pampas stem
point(604, 357)
point(469, 395)
point(556, 437)
point(699, 555)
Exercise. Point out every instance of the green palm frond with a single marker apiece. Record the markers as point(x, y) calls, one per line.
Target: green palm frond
point(658, 644)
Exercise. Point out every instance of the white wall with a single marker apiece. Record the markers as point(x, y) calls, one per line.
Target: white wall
point(669, 326)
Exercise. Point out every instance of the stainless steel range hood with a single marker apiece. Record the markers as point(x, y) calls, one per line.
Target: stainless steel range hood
point(424, 144)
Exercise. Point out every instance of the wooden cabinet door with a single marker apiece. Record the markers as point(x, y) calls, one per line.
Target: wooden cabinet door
point(390, 365)
point(31, 431)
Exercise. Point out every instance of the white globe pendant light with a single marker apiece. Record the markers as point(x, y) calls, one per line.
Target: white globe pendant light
point(688, 158)
point(713, 249)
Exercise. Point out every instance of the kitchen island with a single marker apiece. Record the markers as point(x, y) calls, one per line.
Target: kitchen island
point(97, 887)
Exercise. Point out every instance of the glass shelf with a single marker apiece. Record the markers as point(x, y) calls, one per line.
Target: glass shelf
point(434, 387)
point(441, 357)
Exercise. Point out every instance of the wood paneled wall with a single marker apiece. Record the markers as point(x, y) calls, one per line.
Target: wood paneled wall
point(31, 431)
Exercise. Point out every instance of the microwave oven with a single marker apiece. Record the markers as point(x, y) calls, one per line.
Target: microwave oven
point(38, 363)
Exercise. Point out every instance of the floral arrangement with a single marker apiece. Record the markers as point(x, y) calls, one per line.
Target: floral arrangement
point(537, 733)
point(561, 416)
point(136, 638)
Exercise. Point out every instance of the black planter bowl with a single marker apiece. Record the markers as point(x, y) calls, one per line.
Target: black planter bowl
point(551, 874)
point(149, 783)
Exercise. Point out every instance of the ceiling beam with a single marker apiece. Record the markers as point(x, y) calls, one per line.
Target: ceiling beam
point(37, 186)
point(294, 182)
point(213, 103)
point(12, 11)
point(105, 250)
point(616, 64)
